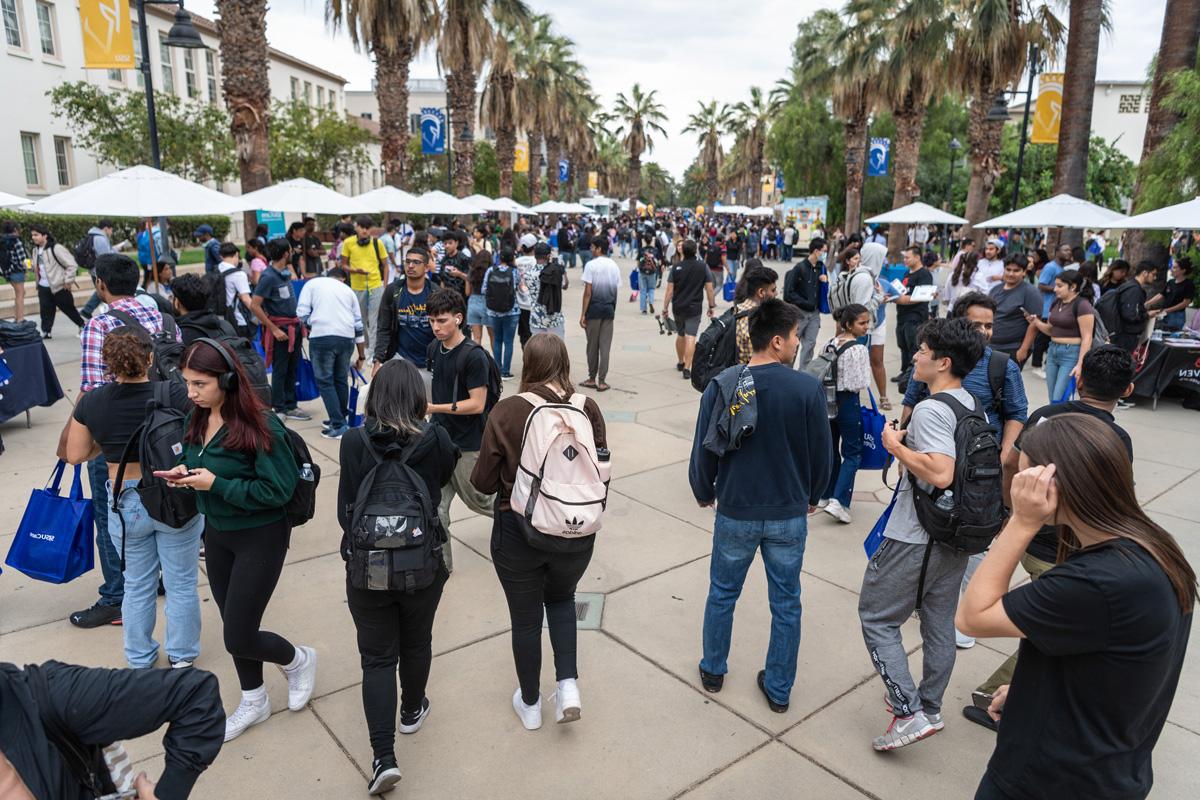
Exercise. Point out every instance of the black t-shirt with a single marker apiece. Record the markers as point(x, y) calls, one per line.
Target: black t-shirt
point(312, 263)
point(1045, 544)
point(1096, 673)
point(112, 413)
point(470, 365)
point(689, 277)
point(921, 277)
point(1178, 291)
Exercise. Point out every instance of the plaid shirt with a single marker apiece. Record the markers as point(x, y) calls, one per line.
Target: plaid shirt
point(93, 370)
point(17, 257)
point(742, 331)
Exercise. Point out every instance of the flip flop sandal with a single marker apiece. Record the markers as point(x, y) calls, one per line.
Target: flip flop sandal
point(588, 384)
point(885, 404)
point(603, 387)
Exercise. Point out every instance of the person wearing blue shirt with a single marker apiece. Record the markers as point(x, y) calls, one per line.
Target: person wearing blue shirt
point(402, 328)
point(275, 296)
point(212, 248)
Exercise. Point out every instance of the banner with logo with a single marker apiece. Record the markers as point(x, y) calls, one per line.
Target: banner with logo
point(1047, 114)
point(807, 214)
point(107, 34)
point(276, 225)
point(878, 156)
point(593, 180)
point(564, 170)
point(433, 131)
point(521, 154)
point(779, 180)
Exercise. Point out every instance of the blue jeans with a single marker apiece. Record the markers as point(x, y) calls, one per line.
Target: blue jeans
point(647, 282)
point(1175, 320)
point(846, 426)
point(733, 267)
point(150, 545)
point(584, 257)
point(504, 328)
point(331, 365)
point(1060, 360)
point(113, 587)
point(568, 258)
point(734, 544)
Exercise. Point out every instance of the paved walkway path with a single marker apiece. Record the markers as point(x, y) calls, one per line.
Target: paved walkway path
point(648, 730)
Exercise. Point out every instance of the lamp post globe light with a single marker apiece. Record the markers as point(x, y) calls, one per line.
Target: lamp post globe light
point(999, 113)
point(183, 34)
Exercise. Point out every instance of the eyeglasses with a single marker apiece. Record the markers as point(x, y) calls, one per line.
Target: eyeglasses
point(417, 261)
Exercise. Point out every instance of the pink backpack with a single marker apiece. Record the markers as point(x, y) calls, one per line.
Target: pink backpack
point(561, 488)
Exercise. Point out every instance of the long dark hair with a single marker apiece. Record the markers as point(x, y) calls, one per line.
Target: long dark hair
point(38, 227)
point(1087, 454)
point(396, 399)
point(242, 411)
point(479, 267)
point(965, 269)
point(545, 360)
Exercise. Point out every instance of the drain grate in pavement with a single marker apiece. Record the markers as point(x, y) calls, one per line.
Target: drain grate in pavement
point(589, 609)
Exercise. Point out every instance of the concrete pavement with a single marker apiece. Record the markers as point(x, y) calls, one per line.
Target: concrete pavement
point(648, 729)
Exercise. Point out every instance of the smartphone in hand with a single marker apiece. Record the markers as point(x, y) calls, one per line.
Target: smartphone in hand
point(981, 699)
point(172, 474)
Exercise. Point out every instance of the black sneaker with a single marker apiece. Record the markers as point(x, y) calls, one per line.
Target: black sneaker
point(679, 366)
point(96, 616)
point(410, 721)
point(711, 683)
point(687, 374)
point(778, 708)
point(385, 776)
point(981, 717)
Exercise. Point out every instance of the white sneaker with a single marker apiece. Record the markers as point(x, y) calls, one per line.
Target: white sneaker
point(566, 701)
point(935, 721)
point(962, 641)
point(904, 731)
point(1041, 373)
point(248, 714)
point(530, 716)
point(301, 678)
point(822, 503)
point(837, 511)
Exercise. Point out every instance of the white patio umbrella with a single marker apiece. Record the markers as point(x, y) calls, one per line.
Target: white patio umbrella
point(386, 198)
point(139, 191)
point(300, 195)
point(513, 206)
point(762, 211)
point(486, 203)
point(1060, 211)
point(579, 208)
point(917, 213)
point(559, 207)
point(1182, 216)
point(9, 200)
point(437, 202)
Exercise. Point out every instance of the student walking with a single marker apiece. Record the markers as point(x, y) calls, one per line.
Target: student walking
point(501, 286)
point(802, 288)
point(283, 333)
point(689, 284)
point(238, 460)
point(601, 282)
point(547, 280)
point(537, 582)
point(764, 486)
point(366, 259)
point(55, 269)
point(649, 271)
point(477, 312)
point(14, 265)
point(331, 312)
point(375, 495)
point(853, 376)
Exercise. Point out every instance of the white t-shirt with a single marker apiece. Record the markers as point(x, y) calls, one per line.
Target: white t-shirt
point(605, 277)
point(330, 308)
point(992, 271)
point(236, 284)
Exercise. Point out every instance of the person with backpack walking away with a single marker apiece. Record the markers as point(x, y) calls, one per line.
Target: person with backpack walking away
point(525, 291)
point(393, 469)
point(948, 504)
point(802, 288)
point(649, 272)
point(764, 480)
point(1070, 324)
point(465, 385)
point(283, 334)
point(96, 242)
point(230, 295)
point(547, 280)
point(601, 282)
point(689, 284)
point(151, 538)
point(851, 375)
point(239, 462)
point(1104, 634)
point(501, 286)
point(55, 268)
point(541, 545)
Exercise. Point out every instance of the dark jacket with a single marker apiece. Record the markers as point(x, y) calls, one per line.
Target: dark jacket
point(204, 323)
point(1131, 305)
point(102, 706)
point(802, 286)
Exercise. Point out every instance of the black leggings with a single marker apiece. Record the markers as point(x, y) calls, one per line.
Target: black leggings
point(49, 302)
point(243, 568)
point(523, 329)
point(535, 579)
point(394, 628)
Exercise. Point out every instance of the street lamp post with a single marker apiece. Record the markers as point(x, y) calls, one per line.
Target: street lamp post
point(999, 113)
point(954, 146)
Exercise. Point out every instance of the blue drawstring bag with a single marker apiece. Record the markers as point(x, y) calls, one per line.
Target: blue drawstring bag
point(306, 380)
point(54, 540)
point(875, 537)
point(1068, 394)
point(633, 279)
point(353, 418)
point(730, 289)
point(874, 456)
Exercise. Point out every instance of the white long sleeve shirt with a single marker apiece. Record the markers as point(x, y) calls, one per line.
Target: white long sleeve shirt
point(330, 308)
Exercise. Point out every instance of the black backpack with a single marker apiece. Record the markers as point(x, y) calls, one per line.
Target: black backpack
point(825, 369)
point(1108, 309)
point(716, 349)
point(167, 349)
point(395, 538)
point(997, 372)
point(302, 505)
point(502, 294)
point(215, 281)
point(550, 282)
point(495, 384)
point(159, 443)
point(244, 352)
point(85, 252)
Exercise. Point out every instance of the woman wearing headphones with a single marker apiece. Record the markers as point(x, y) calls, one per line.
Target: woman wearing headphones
point(238, 460)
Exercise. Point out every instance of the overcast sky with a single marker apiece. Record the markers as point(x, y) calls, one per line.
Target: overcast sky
point(687, 50)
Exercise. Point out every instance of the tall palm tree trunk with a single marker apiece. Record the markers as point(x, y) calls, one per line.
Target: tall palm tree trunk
point(1075, 132)
point(391, 87)
point(506, 156)
point(984, 155)
point(857, 130)
point(710, 186)
point(552, 155)
point(535, 172)
point(910, 123)
point(634, 182)
point(460, 97)
point(1176, 51)
point(242, 26)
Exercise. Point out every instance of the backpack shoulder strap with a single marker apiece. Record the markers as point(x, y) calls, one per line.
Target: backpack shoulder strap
point(960, 411)
point(532, 399)
point(366, 438)
point(997, 372)
point(578, 400)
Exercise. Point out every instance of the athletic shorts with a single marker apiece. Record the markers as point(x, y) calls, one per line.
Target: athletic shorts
point(879, 335)
point(687, 327)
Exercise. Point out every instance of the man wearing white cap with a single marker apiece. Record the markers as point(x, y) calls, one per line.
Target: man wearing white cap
point(524, 298)
point(991, 265)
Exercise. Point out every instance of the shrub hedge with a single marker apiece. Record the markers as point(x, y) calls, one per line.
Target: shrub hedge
point(68, 230)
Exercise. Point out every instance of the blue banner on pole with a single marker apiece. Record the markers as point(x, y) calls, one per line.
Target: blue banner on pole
point(433, 131)
point(779, 180)
point(564, 170)
point(878, 156)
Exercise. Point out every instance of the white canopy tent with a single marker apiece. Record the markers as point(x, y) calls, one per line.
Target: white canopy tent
point(385, 198)
point(485, 203)
point(300, 195)
point(9, 200)
point(559, 207)
point(139, 191)
point(734, 209)
point(437, 202)
point(1060, 211)
point(917, 213)
point(1182, 216)
point(762, 211)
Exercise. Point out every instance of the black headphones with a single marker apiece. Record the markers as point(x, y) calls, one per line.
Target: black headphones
point(227, 381)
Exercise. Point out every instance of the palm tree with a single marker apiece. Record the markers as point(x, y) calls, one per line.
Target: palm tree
point(498, 105)
point(393, 31)
point(543, 56)
point(989, 54)
point(1079, 84)
point(242, 25)
point(709, 124)
point(610, 164)
point(753, 119)
point(640, 114)
point(467, 39)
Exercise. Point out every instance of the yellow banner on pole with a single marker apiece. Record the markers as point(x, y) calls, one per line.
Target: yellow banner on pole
point(107, 34)
point(1047, 114)
point(521, 162)
point(593, 180)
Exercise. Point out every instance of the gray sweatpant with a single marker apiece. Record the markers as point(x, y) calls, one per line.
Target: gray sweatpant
point(809, 328)
point(887, 600)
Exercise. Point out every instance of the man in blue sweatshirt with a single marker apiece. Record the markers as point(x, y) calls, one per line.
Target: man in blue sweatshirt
point(763, 492)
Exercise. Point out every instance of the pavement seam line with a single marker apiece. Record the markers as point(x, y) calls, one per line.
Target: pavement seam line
point(860, 789)
point(1183, 727)
point(346, 752)
point(611, 490)
point(700, 782)
point(656, 574)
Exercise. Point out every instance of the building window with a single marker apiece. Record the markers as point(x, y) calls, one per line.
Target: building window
point(320, 97)
point(332, 100)
point(414, 123)
point(168, 68)
point(139, 57)
point(374, 179)
point(45, 19)
point(190, 80)
point(116, 76)
point(30, 145)
point(210, 73)
point(295, 88)
point(12, 22)
point(308, 93)
point(1129, 104)
point(62, 160)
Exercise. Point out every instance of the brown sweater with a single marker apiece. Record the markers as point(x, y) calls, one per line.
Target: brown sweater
point(500, 450)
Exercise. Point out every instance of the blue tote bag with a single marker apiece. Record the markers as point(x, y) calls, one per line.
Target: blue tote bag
point(306, 380)
point(357, 381)
point(54, 540)
point(874, 456)
point(729, 290)
point(875, 537)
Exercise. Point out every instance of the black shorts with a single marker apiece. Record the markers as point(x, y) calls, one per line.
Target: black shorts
point(687, 326)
